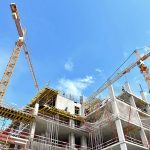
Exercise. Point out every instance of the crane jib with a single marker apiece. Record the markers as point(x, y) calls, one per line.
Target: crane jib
point(118, 76)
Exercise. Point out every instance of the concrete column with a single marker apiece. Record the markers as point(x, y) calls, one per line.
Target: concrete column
point(71, 136)
point(142, 132)
point(119, 128)
point(82, 108)
point(56, 102)
point(71, 141)
point(36, 109)
point(72, 123)
point(121, 136)
point(143, 96)
point(132, 101)
point(144, 138)
point(32, 130)
point(83, 143)
point(114, 103)
point(33, 125)
point(148, 109)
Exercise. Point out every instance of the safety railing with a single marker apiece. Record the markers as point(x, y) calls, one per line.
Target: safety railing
point(127, 102)
point(57, 120)
point(68, 96)
point(105, 144)
point(147, 126)
point(142, 110)
point(135, 141)
point(10, 132)
point(49, 141)
point(25, 109)
point(125, 117)
point(54, 142)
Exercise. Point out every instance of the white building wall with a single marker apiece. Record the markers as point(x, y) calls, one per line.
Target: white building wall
point(62, 103)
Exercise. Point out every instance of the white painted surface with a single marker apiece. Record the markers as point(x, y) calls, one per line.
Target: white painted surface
point(62, 103)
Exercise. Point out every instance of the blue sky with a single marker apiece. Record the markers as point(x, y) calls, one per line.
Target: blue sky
point(74, 44)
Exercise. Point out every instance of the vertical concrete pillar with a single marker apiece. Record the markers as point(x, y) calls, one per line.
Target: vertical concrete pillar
point(132, 101)
point(71, 141)
point(82, 108)
point(144, 138)
point(71, 136)
point(119, 128)
point(72, 123)
point(83, 143)
point(148, 109)
point(142, 132)
point(32, 130)
point(144, 98)
point(33, 125)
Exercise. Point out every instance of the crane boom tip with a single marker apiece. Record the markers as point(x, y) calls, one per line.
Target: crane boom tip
point(13, 7)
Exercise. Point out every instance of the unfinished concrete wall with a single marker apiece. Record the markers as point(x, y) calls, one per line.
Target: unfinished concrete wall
point(67, 104)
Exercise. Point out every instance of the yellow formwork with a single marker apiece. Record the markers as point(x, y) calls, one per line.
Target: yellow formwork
point(46, 94)
point(43, 95)
point(15, 115)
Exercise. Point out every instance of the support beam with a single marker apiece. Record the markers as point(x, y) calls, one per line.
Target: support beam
point(71, 136)
point(128, 88)
point(71, 141)
point(83, 143)
point(145, 99)
point(72, 123)
point(144, 138)
point(82, 108)
point(119, 128)
point(33, 125)
point(142, 132)
point(143, 96)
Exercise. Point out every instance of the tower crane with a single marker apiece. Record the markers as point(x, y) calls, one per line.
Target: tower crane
point(139, 62)
point(144, 69)
point(15, 55)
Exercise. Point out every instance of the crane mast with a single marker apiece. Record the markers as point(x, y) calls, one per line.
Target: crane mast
point(139, 62)
point(21, 33)
point(15, 55)
point(9, 69)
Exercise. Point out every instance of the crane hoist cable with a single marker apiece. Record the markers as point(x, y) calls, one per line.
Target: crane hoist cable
point(30, 66)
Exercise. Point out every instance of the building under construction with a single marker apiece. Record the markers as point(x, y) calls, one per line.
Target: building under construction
point(54, 121)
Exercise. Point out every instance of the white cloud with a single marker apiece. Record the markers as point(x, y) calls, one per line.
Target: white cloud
point(98, 70)
point(75, 87)
point(69, 65)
